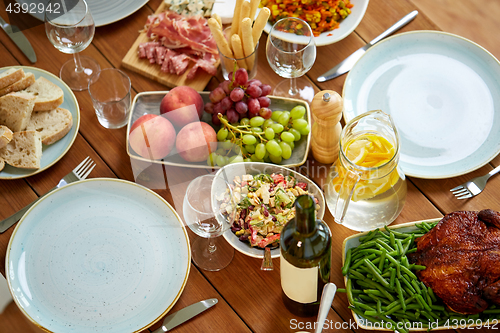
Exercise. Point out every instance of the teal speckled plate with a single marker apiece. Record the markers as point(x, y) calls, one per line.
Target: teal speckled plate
point(443, 92)
point(99, 255)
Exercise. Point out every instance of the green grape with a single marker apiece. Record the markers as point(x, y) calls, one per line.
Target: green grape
point(249, 149)
point(291, 144)
point(268, 123)
point(257, 121)
point(276, 115)
point(295, 133)
point(244, 121)
point(277, 128)
point(305, 130)
point(267, 159)
point(226, 145)
point(211, 159)
point(266, 155)
point(247, 160)
point(220, 160)
point(284, 118)
point(269, 133)
point(298, 112)
point(287, 136)
point(236, 149)
point(254, 158)
point(230, 136)
point(275, 159)
point(286, 150)
point(236, 159)
point(273, 147)
point(257, 129)
point(249, 139)
point(299, 124)
point(222, 134)
point(220, 151)
point(260, 151)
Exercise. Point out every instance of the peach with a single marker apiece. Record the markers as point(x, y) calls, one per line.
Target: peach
point(182, 105)
point(196, 141)
point(152, 137)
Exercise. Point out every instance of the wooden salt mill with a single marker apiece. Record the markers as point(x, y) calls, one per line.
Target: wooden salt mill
point(326, 110)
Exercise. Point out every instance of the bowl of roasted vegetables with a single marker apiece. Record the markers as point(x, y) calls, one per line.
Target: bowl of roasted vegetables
point(265, 195)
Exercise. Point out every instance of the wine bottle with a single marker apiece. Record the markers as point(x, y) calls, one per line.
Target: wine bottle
point(305, 259)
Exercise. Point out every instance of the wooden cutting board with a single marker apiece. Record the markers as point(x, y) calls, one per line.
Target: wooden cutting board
point(152, 71)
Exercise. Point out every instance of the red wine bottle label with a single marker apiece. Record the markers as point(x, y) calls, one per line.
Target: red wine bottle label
point(299, 284)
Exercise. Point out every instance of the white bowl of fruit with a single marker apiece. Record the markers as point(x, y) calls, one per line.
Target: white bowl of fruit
point(248, 125)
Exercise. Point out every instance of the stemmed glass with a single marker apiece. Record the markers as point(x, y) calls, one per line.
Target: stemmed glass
point(291, 52)
point(70, 28)
point(209, 210)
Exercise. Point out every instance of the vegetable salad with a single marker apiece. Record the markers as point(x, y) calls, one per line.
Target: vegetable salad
point(265, 204)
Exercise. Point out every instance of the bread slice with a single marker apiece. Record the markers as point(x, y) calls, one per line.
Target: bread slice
point(2, 164)
point(27, 80)
point(52, 125)
point(5, 135)
point(15, 110)
point(24, 150)
point(10, 76)
point(48, 95)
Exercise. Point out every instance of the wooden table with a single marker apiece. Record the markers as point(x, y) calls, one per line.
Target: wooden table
point(249, 299)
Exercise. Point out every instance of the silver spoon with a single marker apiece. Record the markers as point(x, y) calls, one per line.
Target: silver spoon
point(327, 296)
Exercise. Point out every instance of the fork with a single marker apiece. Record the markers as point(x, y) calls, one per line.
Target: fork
point(474, 186)
point(81, 172)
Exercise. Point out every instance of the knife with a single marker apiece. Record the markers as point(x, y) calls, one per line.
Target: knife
point(346, 65)
point(185, 314)
point(19, 39)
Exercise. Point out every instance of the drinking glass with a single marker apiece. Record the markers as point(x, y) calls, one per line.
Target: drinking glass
point(291, 52)
point(209, 210)
point(70, 28)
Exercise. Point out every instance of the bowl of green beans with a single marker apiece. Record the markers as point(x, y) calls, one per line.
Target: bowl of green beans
point(383, 291)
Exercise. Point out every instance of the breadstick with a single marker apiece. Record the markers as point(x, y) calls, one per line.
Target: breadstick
point(217, 17)
point(245, 12)
point(221, 41)
point(238, 50)
point(235, 25)
point(260, 23)
point(247, 39)
point(254, 4)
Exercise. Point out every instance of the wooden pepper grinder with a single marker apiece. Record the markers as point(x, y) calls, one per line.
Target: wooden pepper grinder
point(326, 110)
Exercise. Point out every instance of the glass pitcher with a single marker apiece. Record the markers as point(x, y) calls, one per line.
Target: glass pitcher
point(365, 188)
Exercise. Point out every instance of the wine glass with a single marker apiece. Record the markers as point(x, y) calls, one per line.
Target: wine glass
point(209, 210)
point(291, 52)
point(70, 28)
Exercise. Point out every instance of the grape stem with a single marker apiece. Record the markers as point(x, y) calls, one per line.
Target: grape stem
point(232, 128)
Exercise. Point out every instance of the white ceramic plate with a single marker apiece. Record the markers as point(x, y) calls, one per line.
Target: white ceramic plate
point(100, 255)
point(230, 171)
point(345, 28)
point(149, 103)
point(52, 153)
point(104, 11)
point(443, 93)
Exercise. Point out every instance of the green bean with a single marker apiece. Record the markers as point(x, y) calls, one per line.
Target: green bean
point(407, 271)
point(491, 311)
point(396, 233)
point(356, 274)
point(417, 267)
point(382, 261)
point(347, 262)
point(379, 306)
point(359, 262)
point(400, 295)
point(421, 300)
point(393, 277)
point(415, 286)
point(350, 298)
point(363, 306)
point(438, 307)
point(399, 247)
point(431, 294)
point(385, 245)
point(393, 239)
point(367, 237)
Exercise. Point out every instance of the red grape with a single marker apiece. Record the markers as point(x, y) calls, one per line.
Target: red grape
point(240, 76)
point(218, 109)
point(243, 115)
point(264, 101)
point(215, 120)
point(232, 116)
point(241, 107)
point(265, 113)
point(225, 86)
point(226, 103)
point(237, 94)
point(253, 106)
point(209, 108)
point(266, 89)
point(217, 95)
point(254, 91)
point(254, 81)
point(230, 77)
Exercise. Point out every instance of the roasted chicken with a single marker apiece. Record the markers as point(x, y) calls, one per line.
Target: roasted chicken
point(462, 258)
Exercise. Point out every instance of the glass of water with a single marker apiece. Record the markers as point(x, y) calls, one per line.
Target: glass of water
point(291, 52)
point(109, 90)
point(70, 28)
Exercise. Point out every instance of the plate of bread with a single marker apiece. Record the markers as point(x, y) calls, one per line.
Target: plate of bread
point(39, 121)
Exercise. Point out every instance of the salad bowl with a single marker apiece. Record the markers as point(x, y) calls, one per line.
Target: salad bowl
point(230, 171)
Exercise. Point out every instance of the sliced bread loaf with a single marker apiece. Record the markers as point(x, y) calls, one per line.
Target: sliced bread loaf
point(24, 150)
point(15, 110)
point(5, 135)
point(52, 125)
point(27, 80)
point(10, 76)
point(48, 95)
